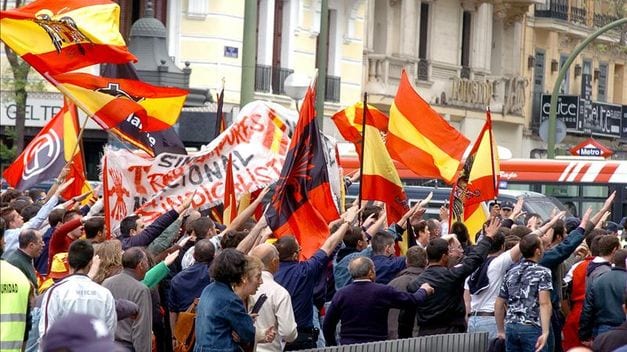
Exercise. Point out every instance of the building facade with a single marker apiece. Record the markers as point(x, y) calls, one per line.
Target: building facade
point(209, 35)
point(464, 56)
point(593, 94)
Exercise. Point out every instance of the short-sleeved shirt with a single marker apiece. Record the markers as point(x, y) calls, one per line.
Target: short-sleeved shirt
point(521, 290)
point(299, 279)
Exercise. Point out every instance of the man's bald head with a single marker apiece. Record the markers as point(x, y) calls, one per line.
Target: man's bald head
point(268, 254)
point(360, 268)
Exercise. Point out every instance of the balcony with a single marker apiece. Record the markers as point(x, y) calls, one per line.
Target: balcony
point(279, 74)
point(553, 9)
point(332, 89)
point(263, 78)
point(601, 20)
point(270, 79)
point(582, 17)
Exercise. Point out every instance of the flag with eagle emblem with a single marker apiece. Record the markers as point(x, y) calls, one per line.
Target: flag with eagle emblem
point(303, 204)
point(61, 36)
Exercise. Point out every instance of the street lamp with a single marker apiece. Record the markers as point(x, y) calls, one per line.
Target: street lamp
point(295, 86)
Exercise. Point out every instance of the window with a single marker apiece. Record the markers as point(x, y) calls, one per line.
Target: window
point(424, 30)
point(465, 52)
point(566, 81)
point(602, 88)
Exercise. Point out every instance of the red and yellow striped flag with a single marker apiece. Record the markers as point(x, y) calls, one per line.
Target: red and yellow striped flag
point(379, 180)
point(61, 36)
point(420, 138)
point(230, 202)
point(110, 101)
point(477, 182)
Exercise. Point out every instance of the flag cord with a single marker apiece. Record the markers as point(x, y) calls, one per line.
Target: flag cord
point(363, 147)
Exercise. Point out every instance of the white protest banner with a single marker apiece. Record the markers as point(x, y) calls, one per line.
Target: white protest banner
point(256, 140)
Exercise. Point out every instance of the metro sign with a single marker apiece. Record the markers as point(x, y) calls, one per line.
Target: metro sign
point(590, 147)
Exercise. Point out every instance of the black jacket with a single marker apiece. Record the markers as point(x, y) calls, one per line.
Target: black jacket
point(445, 307)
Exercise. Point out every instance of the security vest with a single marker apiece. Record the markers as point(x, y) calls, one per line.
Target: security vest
point(14, 293)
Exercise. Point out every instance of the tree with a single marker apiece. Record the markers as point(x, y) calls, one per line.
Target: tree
point(20, 70)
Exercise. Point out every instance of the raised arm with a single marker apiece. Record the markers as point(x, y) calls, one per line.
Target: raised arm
point(246, 213)
point(606, 207)
point(334, 239)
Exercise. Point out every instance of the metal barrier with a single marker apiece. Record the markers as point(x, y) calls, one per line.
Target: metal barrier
point(470, 342)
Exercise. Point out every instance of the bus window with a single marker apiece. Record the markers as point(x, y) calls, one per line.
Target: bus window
point(519, 187)
point(595, 191)
point(560, 190)
point(596, 206)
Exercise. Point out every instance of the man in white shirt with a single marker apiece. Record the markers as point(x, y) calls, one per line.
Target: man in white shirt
point(480, 294)
point(15, 223)
point(77, 293)
point(277, 310)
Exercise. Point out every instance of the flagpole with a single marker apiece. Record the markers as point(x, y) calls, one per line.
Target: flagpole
point(492, 152)
point(363, 145)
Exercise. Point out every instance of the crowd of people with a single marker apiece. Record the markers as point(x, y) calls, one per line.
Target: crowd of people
point(186, 282)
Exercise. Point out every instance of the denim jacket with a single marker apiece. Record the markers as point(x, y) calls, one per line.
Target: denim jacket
point(220, 312)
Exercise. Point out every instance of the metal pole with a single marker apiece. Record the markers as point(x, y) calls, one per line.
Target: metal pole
point(249, 48)
point(560, 78)
point(363, 150)
point(321, 59)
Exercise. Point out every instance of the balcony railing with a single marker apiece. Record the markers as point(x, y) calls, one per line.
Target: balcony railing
point(332, 90)
point(279, 74)
point(553, 9)
point(270, 79)
point(558, 9)
point(423, 70)
point(263, 78)
point(601, 20)
point(578, 15)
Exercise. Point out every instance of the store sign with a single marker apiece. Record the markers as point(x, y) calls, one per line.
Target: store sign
point(40, 108)
point(466, 92)
point(567, 110)
point(594, 118)
point(591, 147)
point(623, 133)
point(605, 120)
point(585, 101)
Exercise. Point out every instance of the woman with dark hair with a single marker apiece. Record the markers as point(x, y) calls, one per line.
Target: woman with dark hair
point(459, 229)
point(220, 315)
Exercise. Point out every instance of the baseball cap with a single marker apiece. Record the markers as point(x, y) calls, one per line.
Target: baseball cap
point(611, 226)
point(87, 333)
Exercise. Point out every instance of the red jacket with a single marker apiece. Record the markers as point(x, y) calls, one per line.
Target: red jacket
point(60, 242)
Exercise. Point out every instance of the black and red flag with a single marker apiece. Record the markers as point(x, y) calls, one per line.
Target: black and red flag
point(220, 124)
point(46, 155)
point(303, 204)
point(154, 143)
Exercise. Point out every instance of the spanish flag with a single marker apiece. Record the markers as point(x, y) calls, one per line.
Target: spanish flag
point(350, 120)
point(61, 36)
point(477, 182)
point(379, 180)
point(46, 155)
point(420, 138)
point(230, 201)
point(110, 101)
point(302, 204)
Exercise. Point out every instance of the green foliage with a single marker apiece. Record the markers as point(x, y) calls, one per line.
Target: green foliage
point(7, 155)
